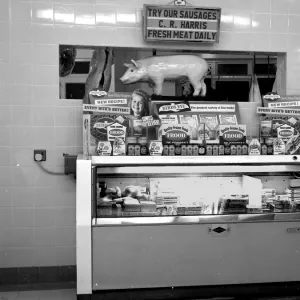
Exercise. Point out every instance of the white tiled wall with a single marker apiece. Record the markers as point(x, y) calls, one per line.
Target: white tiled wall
point(37, 210)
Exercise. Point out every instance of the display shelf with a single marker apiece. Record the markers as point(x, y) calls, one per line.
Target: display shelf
point(194, 165)
point(194, 160)
point(203, 219)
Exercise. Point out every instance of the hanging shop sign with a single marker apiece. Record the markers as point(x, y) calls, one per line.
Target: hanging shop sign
point(181, 23)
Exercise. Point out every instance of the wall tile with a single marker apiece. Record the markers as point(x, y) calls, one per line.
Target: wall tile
point(42, 13)
point(279, 42)
point(65, 256)
point(20, 95)
point(65, 116)
point(106, 16)
point(9, 276)
point(65, 198)
point(22, 176)
point(19, 257)
point(44, 196)
point(22, 53)
point(43, 179)
point(5, 156)
point(279, 24)
point(28, 275)
point(21, 33)
point(45, 256)
point(5, 134)
point(261, 22)
point(5, 91)
point(85, 15)
point(5, 237)
point(65, 216)
point(5, 74)
point(65, 136)
point(45, 75)
point(22, 156)
point(23, 216)
point(44, 217)
point(42, 116)
point(126, 17)
point(78, 136)
point(45, 95)
point(280, 6)
point(78, 116)
point(22, 136)
point(22, 237)
point(23, 197)
point(20, 11)
point(259, 6)
point(294, 22)
point(64, 34)
point(4, 52)
point(293, 5)
point(5, 197)
point(5, 116)
point(22, 116)
point(4, 10)
point(4, 32)
point(44, 236)
point(5, 176)
point(64, 14)
point(42, 33)
point(43, 136)
point(21, 74)
point(45, 54)
point(5, 217)
point(88, 34)
point(65, 236)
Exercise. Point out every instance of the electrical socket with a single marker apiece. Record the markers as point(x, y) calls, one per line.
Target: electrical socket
point(39, 155)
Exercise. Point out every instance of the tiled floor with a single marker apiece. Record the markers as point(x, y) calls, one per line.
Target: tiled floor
point(40, 295)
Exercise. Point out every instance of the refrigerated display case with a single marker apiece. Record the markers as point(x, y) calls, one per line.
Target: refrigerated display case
point(209, 245)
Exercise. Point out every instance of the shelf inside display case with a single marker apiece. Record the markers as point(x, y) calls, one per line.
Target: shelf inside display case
point(203, 219)
point(194, 160)
point(194, 165)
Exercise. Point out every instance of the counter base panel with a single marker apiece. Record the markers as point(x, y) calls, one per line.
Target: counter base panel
point(131, 257)
point(241, 291)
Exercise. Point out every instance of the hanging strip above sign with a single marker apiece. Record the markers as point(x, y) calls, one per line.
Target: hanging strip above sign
point(193, 24)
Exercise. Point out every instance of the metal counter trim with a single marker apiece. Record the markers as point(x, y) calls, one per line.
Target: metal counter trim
point(204, 219)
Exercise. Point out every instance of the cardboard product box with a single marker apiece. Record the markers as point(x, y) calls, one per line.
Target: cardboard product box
point(232, 134)
point(95, 121)
point(175, 134)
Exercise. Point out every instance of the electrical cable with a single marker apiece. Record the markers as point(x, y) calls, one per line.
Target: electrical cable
point(39, 163)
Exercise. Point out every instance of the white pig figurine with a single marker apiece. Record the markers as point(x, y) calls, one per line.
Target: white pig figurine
point(156, 69)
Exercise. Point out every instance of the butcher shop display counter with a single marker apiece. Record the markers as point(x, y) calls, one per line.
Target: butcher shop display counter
point(145, 223)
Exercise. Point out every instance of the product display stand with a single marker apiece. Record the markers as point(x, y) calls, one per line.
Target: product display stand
point(165, 257)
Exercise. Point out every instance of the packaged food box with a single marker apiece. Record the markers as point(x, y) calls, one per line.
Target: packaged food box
point(104, 148)
point(285, 132)
point(155, 148)
point(119, 147)
point(116, 131)
point(148, 206)
point(292, 146)
point(278, 147)
point(95, 122)
point(132, 205)
point(232, 134)
point(175, 134)
point(251, 209)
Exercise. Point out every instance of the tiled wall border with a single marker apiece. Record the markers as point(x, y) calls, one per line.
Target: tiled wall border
point(35, 278)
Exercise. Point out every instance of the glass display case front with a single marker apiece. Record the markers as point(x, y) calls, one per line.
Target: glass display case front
point(247, 191)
